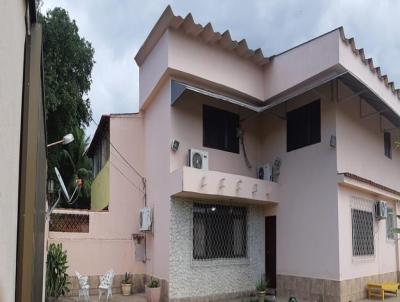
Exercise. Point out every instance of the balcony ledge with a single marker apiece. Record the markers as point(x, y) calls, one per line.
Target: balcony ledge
point(194, 183)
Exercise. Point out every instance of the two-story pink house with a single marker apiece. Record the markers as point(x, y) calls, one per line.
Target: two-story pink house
point(319, 119)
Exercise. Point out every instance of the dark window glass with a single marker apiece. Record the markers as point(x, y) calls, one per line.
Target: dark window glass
point(363, 232)
point(219, 231)
point(304, 126)
point(220, 129)
point(387, 144)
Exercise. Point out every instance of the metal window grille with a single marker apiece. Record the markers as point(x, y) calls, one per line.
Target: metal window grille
point(363, 232)
point(390, 223)
point(74, 223)
point(219, 231)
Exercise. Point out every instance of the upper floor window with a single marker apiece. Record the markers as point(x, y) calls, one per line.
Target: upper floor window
point(304, 126)
point(387, 141)
point(219, 231)
point(220, 129)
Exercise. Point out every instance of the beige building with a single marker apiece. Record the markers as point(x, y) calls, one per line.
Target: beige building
point(23, 160)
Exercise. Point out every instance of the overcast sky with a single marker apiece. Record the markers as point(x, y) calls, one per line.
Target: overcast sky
point(117, 29)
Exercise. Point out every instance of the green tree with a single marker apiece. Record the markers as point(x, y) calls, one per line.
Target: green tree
point(68, 63)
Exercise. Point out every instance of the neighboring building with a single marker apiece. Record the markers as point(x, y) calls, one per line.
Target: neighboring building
point(100, 239)
point(320, 114)
point(23, 155)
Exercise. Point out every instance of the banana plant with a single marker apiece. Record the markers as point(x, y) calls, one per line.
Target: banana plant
point(56, 272)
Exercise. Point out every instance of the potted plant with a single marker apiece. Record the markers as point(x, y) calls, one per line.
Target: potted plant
point(261, 288)
point(126, 285)
point(153, 290)
point(56, 272)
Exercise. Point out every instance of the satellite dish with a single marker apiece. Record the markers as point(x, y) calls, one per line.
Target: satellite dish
point(60, 180)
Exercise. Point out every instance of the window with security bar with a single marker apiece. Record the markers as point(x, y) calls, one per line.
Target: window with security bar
point(219, 231)
point(363, 232)
point(390, 223)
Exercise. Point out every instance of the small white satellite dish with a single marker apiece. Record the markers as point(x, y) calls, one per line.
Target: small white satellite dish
point(60, 180)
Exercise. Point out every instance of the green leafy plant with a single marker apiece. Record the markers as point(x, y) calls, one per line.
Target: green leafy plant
point(153, 283)
point(127, 279)
point(262, 285)
point(56, 273)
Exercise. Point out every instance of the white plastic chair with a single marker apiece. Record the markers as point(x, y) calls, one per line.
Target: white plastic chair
point(106, 282)
point(83, 286)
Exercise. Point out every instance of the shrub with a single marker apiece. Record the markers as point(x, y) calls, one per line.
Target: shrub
point(153, 283)
point(56, 276)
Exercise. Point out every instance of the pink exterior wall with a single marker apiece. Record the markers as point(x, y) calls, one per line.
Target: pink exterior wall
point(363, 72)
point(109, 242)
point(385, 258)
point(360, 151)
point(157, 146)
point(307, 231)
point(360, 145)
point(295, 66)
point(187, 127)
point(213, 64)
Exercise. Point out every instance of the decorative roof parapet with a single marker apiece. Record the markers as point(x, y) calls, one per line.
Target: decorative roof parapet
point(370, 62)
point(205, 33)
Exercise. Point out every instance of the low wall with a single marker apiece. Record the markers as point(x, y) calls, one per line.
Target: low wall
point(319, 290)
point(97, 249)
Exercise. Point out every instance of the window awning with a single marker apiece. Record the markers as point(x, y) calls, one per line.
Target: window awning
point(179, 88)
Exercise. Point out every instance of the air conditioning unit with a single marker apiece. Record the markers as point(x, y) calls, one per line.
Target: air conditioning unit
point(145, 219)
point(380, 210)
point(265, 172)
point(198, 159)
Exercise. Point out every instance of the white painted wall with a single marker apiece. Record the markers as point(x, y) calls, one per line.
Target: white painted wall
point(12, 24)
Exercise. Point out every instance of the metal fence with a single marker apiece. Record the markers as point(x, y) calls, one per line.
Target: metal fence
point(73, 223)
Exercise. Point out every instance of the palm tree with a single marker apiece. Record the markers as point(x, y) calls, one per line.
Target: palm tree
point(74, 164)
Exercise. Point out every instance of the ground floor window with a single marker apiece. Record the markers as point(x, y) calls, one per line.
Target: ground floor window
point(363, 232)
point(219, 231)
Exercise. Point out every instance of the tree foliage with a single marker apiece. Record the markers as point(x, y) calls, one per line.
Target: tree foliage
point(68, 63)
point(56, 271)
point(75, 164)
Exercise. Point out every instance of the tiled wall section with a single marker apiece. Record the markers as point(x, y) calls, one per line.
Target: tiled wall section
point(213, 279)
point(321, 290)
point(137, 285)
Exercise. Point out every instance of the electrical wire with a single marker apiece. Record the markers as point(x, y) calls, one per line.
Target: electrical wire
point(119, 153)
point(143, 191)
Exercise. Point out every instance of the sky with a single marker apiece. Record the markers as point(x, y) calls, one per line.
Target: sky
point(117, 29)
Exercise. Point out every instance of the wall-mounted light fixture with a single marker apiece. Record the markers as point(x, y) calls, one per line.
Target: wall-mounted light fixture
point(68, 138)
point(175, 145)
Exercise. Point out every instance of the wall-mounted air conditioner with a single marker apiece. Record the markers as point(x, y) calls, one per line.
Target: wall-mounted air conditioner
point(198, 159)
point(380, 210)
point(265, 172)
point(145, 219)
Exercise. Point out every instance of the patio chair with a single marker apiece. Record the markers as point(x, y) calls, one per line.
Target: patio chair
point(106, 282)
point(83, 286)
